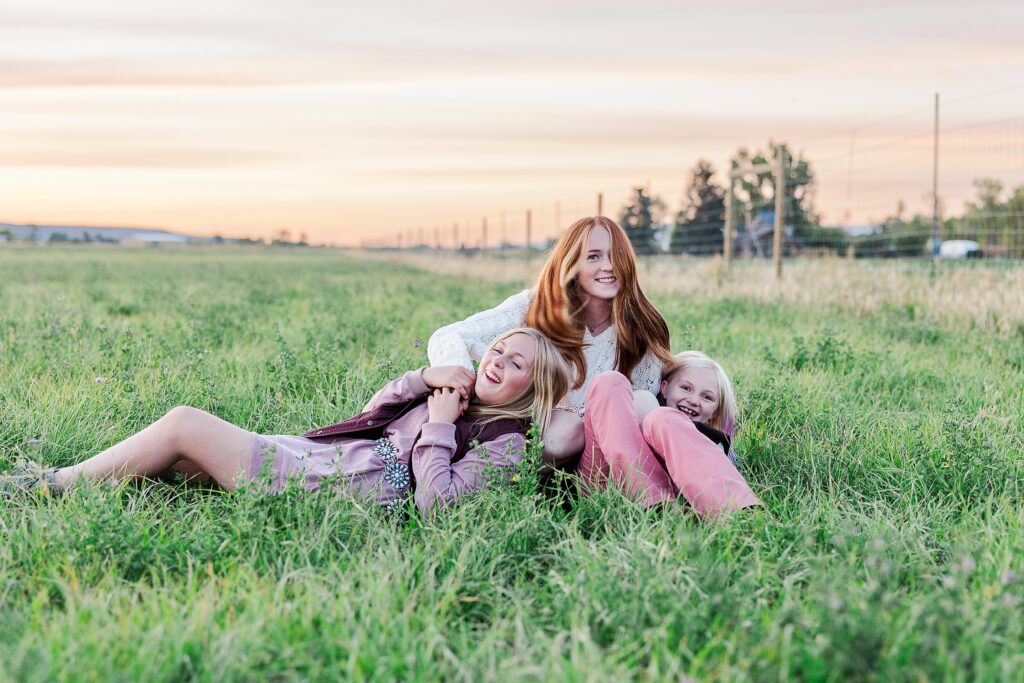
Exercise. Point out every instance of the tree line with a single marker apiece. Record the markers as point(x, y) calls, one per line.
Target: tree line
point(698, 227)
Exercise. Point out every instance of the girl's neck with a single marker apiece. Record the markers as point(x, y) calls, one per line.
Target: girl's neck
point(597, 315)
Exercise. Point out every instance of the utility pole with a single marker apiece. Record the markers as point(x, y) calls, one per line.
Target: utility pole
point(727, 246)
point(600, 204)
point(483, 233)
point(935, 187)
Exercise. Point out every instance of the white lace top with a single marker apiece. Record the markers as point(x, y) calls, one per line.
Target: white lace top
point(465, 341)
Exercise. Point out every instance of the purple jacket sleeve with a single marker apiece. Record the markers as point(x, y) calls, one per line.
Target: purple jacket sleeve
point(440, 481)
point(407, 387)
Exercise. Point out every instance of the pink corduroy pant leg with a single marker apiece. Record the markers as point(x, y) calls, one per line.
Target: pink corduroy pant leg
point(614, 447)
point(698, 467)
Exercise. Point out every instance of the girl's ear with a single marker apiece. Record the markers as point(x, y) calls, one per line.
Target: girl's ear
point(664, 386)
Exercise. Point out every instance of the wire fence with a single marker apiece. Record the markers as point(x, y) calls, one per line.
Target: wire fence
point(885, 189)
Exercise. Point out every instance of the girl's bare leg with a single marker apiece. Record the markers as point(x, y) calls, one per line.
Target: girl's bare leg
point(563, 440)
point(218, 448)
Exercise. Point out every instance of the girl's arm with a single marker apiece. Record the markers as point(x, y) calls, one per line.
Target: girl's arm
point(465, 341)
point(647, 374)
point(439, 481)
point(407, 387)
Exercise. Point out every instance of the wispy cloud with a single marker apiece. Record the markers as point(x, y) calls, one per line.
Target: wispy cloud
point(112, 73)
point(131, 146)
point(142, 157)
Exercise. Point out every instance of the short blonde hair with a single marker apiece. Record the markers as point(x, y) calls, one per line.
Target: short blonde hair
point(725, 416)
point(549, 383)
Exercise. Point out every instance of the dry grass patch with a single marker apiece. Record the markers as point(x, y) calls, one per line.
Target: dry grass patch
point(984, 296)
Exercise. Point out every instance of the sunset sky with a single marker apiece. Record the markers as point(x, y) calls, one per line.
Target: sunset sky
point(349, 121)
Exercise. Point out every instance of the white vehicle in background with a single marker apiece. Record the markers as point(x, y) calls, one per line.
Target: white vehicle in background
point(960, 249)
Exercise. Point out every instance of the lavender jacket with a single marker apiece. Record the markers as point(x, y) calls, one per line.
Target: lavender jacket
point(447, 460)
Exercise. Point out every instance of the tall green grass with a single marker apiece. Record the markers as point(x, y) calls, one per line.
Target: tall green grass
point(887, 451)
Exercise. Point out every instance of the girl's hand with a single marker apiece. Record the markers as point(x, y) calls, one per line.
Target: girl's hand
point(445, 405)
point(452, 376)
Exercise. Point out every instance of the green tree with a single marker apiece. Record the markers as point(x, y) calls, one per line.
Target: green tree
point(992, 222)
point(638, 219)
point(907, 238)
point(699, 225)
point(1014, 220)
point(755, 191)
point(898, 237)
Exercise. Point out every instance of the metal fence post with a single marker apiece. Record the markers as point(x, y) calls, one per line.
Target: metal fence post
point(529, 221)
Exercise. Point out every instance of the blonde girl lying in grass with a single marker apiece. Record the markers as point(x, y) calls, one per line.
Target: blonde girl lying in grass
point(424, 435)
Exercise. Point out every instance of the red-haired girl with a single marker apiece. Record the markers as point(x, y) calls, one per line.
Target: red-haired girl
point(588, 302)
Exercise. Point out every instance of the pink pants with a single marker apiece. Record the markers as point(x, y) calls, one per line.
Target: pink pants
point(656, 461)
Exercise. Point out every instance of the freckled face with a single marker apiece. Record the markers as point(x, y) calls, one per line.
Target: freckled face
point(693, 392)
point(506, 370)
point(596, 276)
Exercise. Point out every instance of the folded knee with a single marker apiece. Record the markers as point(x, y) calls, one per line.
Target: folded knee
point(180, 420)
point(606, 382)
point(663, 419)
point(183, 414)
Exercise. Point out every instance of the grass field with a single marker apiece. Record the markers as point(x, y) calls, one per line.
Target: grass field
point(886, 442)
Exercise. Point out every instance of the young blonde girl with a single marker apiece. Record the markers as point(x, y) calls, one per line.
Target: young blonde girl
point(423, 434)
point(697, 380)
point(677, 444)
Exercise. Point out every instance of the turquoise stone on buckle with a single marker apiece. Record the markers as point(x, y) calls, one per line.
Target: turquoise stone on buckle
point(396, 474)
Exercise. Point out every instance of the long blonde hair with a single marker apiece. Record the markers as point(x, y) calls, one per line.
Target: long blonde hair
point(548, 384)
point(727, 412)
point(559, 302)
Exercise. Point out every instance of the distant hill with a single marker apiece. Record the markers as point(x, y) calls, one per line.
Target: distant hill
point(90, 233)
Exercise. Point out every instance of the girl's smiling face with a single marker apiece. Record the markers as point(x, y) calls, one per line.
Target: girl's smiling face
point(506, 369)
point(693, 392)
point(596, 276)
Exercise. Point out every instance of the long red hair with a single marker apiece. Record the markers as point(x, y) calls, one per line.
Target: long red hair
point(559, 302)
